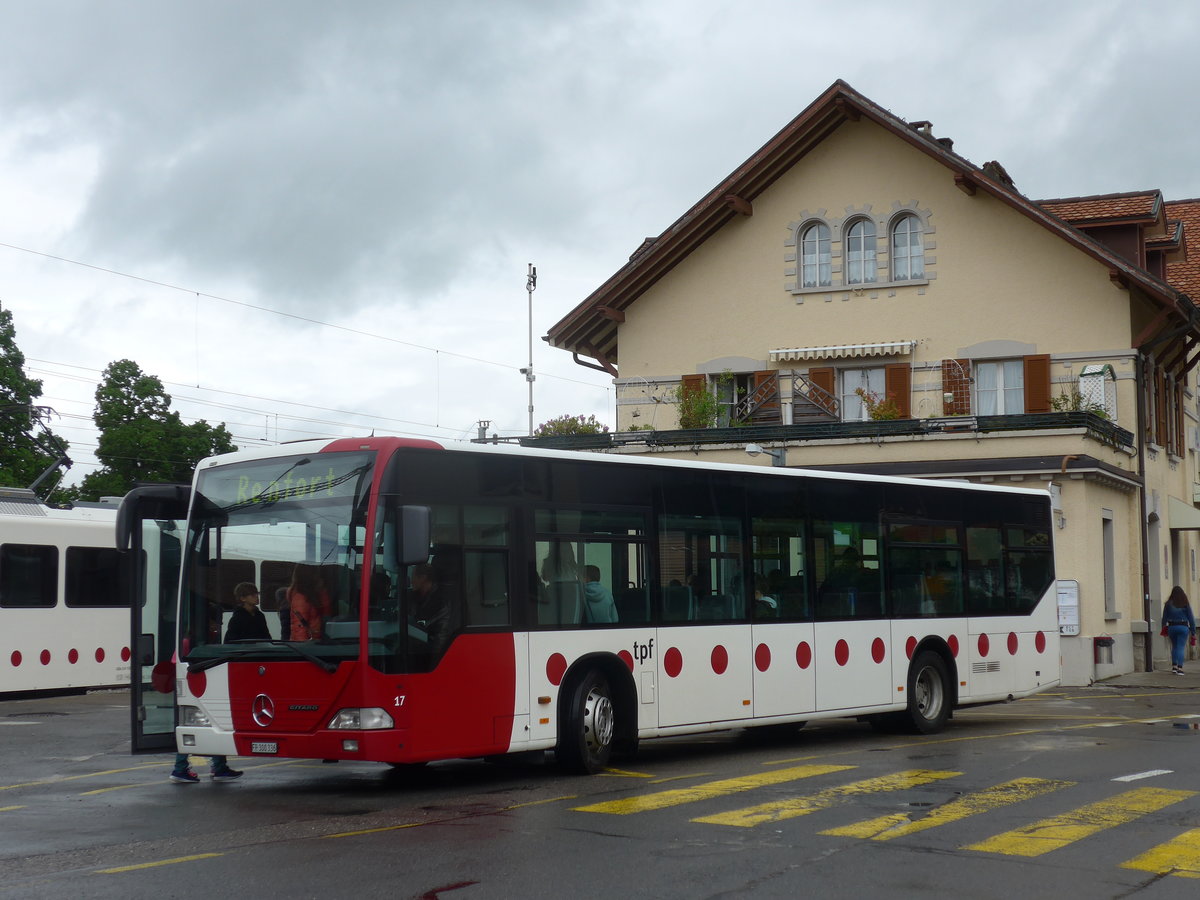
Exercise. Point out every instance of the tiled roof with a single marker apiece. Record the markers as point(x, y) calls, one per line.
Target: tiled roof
point(1169, 238)
point(1106, 207)
point(1185, 276)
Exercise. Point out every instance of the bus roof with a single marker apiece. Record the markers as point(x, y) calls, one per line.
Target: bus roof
point(389, 445)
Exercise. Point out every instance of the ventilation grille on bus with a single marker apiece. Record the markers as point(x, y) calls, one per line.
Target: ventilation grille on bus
point(981, 668)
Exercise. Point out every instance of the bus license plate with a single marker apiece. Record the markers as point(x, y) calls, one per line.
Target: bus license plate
point(264, 747)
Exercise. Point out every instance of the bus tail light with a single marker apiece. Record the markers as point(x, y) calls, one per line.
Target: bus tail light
point(366, 719)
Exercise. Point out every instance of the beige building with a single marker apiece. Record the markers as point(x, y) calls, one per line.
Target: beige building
point(857, 296)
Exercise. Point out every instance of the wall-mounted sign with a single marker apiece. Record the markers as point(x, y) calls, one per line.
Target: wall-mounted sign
point(1068, 606)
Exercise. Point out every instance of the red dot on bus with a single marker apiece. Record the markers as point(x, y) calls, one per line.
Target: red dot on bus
point(556, 668)
point(878, 650)
point(15, 659)
point(803, 655)
point(626, 657)
point(1039, 642)
point(910, 646)
point(73, 656)
point(197, 682)
point(673, 662)
point(841, 652)
point(953, 642)
point(719, 659)
point(984, 646)
point(125, 654)
point(1012, 643)
point(762, 657)
point(99, 654)
point(45, 657)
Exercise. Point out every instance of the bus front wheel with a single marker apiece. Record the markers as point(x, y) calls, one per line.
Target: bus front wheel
point(928, 693)
point(586, 741)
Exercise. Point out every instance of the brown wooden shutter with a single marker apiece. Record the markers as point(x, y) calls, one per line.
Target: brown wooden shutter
point(825, 379)
point(1037, 384)
point(1160, 407)
point(956, 380)
point(898, 387)
point(1179, 442)
point(693, 383)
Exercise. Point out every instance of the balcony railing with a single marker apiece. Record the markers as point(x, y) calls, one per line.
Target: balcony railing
point(1097, 427)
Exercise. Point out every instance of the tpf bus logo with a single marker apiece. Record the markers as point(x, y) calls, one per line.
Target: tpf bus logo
point(262, 710)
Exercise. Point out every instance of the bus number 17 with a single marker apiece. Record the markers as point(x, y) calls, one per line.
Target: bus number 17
point(399, 700)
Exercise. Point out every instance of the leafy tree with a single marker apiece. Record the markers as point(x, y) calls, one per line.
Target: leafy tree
point(141, 438)
point(570, 425)
point(26, 447)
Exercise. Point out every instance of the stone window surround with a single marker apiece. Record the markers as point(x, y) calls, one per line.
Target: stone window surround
point(883, 237)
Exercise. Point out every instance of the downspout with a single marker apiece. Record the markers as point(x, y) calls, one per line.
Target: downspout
point(1139, 381)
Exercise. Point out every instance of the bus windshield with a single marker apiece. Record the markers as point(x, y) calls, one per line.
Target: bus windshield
point(294, 527)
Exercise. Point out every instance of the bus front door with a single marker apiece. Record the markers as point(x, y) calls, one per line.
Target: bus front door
point(150, 528)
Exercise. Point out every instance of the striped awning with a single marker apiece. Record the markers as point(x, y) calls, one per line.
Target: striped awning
point(843, 351)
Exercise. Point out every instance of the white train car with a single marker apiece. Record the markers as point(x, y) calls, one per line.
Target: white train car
point(63, 622)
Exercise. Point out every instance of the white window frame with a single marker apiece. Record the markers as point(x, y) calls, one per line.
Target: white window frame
point(816, 259)
point(999, 386)
point(907, 248)
point(859, 248)
point(872, 379)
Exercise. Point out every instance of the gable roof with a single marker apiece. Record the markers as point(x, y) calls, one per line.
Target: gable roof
point(590, 329)
point(1185, 274)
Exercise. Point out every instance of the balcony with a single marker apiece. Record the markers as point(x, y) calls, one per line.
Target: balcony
point(1094, 427)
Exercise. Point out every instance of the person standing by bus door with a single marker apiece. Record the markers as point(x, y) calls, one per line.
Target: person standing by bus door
point(183, 773)
point(1179, 625)
point(163, 680)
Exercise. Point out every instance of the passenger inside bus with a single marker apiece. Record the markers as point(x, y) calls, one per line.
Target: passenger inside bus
point(309, 602)
point(765, 606)
point(599, 606)
point(560, 600)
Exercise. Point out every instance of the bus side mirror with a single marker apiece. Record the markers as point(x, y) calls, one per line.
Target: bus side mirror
point(414, 535)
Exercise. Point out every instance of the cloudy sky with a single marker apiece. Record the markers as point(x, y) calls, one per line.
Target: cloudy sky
point(312, 218)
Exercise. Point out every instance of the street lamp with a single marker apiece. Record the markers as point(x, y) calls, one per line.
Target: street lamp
point(776, 455)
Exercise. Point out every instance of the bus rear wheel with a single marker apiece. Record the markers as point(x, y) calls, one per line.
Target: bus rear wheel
point(928, 693)
point(586, 739)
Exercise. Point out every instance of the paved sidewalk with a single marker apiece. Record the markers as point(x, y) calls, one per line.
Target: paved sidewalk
point(1161, 678)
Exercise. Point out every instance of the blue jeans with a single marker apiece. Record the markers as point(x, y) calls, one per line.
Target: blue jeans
point(181, 763)
point(1178, 635)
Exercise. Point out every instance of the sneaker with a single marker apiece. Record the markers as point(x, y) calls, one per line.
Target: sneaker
point(185, 777)
point(226, 774)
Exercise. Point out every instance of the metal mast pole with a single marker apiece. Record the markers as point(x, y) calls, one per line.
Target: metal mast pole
point(530, 287)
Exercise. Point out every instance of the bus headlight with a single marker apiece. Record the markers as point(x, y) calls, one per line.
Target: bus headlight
point(194, 717)
point(370, 719)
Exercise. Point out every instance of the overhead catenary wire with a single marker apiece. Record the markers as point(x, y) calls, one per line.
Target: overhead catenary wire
point(294, 316)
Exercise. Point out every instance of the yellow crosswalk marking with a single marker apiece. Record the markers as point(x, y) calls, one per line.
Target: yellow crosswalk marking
point(1179, 856)
point(1058, 831)
point(663, 799)
point(779, 810)
point(885, 828)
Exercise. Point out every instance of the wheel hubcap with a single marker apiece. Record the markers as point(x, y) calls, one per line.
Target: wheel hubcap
point(929, 693)
point(598, 721)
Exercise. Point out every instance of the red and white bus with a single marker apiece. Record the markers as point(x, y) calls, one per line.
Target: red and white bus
point(64, 623)
point(479, 600)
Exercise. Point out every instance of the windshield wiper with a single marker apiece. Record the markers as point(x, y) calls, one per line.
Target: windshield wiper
point(298, 648)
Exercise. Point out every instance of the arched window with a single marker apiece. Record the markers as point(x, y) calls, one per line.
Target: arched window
point(860, 252)
point(815, 268)
point(908, 251)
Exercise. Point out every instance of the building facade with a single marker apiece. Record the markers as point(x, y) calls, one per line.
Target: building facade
point(857, 296)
